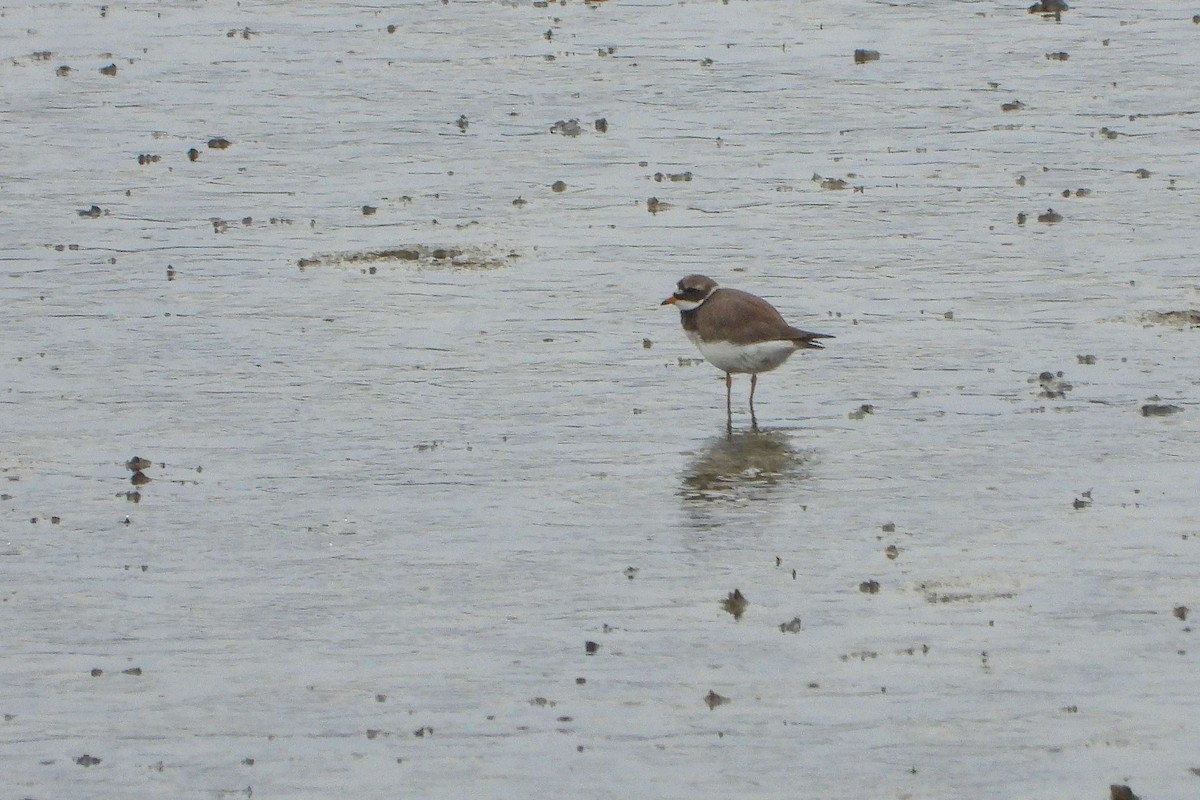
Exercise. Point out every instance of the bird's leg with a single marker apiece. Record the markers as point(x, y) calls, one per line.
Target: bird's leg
point(729, 402)
point(753, 383)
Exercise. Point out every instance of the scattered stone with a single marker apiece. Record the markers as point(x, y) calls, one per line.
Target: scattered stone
point(1088, 359)
point(193, 154)
point(558, 186)
point(1061, 55)
point(1049, 8)
point(1083, 501)
point(110, 70)
point(391, 28)
point(1159, 409)
point(791, 627)
point(654, 205)
point(1108, 133)
point(892, 552)
point(134, 671)
point(602, 125)
point(1121, 792)
point(219, 143)
point(86, 760)
point(368, 210)
point(1142, 173)
point(569, 127)
point(1015, 105)
point(735, 604)
point(1021, 217)
point(462, 123)
point(861, 412)
point(591, 648)
point(712, 700)
point(520, 202)
point(869, 587)
point(145, 158)
point(139, 479)
point(631, 572)
point(647, 344)
point(1050, 217)
point(888, 527)
point(1181, 613)
point(97, 672)
point(833, 183)
point(63, 71)
point(137, 464)
point(863, 56)
point(675, 177)
point(423, 731)
point(91, 213)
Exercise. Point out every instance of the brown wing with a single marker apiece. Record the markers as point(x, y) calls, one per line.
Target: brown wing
point(749, 319)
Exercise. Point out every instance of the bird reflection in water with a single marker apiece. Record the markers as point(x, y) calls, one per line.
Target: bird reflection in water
point(730, 466)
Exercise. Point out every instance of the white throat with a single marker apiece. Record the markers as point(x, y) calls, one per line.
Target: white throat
point(688, 305)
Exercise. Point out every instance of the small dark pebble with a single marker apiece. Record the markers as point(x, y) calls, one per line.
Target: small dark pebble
point(712, 700)
point(1051, 216)
point(1119, 791)
point(97, 672)
point(87, 761)
point(193, 154)
point(110, 70)
point(219, 143)
point(735, 603)
point(602, 125)
point(92, 212)
point(391, 28)
point(137, 463)
point(792, 626)
point(1049, 7)
point(1181, 613)
point(888, 527)
point(591, 647)
point(138, 479)
point(863, 56)
point(63, 71)
point(248, 762)
point(869, 587)
point(368, 210)
point(135, 671)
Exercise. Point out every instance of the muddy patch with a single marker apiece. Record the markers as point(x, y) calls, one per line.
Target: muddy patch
point(417, 257)
point(1187, 318)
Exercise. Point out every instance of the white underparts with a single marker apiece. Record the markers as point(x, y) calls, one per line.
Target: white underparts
point(754, 358)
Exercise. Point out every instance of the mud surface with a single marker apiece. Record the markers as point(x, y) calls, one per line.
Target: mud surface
point(385, 501)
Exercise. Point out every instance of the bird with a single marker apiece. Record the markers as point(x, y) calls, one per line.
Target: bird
point(737, 332)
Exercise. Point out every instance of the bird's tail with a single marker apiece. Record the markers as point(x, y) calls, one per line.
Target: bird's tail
point(808, 339)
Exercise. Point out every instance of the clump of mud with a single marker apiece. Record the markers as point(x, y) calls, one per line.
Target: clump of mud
point(417, 256)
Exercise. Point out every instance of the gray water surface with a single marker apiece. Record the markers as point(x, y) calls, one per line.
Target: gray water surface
point(391, 499)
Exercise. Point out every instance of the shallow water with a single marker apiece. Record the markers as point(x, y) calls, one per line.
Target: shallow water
point(398, 502)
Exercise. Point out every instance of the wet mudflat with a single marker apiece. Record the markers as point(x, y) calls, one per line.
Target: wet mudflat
point(435, 498)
